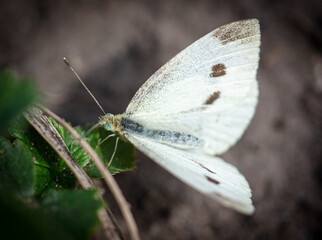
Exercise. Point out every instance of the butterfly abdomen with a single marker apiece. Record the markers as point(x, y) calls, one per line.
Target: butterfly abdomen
point(179, 139)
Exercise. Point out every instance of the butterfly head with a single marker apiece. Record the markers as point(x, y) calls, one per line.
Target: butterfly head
point(110, 122)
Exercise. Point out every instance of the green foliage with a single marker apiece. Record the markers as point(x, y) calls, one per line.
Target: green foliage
point(15, 96)
point(73, 211)
point(16, 168)
point(66, 205)
point(123, 159)
point(21, 220)
point(52, 171)
point(39, 198)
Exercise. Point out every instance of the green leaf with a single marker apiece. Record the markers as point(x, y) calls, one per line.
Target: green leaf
point(16, 168)
point(75, 149)
point(76, 210)
point(47, 179)
point(44, 154)
point(62, 180)
point(50, 170)
point(124, 157)
point(43, 177)
point(15, 96)
point(73, 214)
point(29, 171)
point(123, 160)
point(22, 221)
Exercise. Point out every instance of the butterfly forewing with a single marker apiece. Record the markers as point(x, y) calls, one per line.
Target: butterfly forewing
point(210, 64)
point(208, 90)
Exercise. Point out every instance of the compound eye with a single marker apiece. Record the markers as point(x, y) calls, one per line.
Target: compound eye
point(108, 126)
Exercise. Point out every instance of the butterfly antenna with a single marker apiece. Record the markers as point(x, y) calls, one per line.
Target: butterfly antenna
point(72, 69)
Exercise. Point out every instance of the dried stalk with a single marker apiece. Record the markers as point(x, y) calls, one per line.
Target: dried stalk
point(109, 180)
point(44, 127)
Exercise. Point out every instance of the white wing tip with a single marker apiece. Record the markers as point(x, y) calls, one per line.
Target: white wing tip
point(245, 207)
point(239, 30)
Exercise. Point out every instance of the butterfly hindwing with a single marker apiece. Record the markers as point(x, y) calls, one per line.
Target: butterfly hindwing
point(207, 174)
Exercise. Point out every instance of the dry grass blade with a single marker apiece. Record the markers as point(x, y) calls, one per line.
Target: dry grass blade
point(43, 126)
point(110, 181)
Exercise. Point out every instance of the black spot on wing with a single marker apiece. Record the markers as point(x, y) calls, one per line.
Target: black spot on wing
point(212, 180)
point(236, 31)
point(213, 97)
point(218, 70)
point(204, 167)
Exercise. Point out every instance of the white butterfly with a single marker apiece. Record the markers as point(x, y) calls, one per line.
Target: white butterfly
point(197, 106)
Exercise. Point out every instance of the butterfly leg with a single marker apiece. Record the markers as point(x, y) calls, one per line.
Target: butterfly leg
point(116, 142)
point(100, 142)
point(111, 135)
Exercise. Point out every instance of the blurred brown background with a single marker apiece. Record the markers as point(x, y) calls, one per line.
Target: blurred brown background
point(116, 45)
